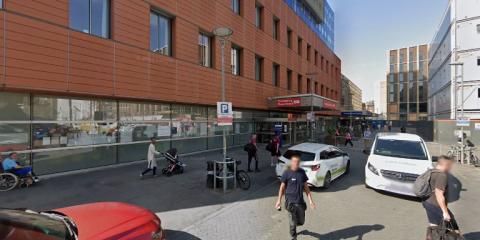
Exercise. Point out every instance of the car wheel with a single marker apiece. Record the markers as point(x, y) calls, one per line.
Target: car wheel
point(327, 180)
point(347, 168)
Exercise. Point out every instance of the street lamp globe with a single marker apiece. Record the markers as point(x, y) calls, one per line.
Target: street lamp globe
point(223, 32)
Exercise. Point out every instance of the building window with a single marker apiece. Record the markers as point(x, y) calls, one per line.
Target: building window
point(289, 79)
point(309, 49)
point(478, 61)
point(309, 85)
point(326, 67)
point(478, 28)
point(299, 46)
point(204, 50)
point(322, 62)
point(276, 28)
point(259, 68)
point(236, 55)
point(316, 88)
point(258, 16)
point(160, 34)
point(235, 5)
point(289, 38)
point(299, 84)
point(276, 75)
point(91, 16)
point(316, 58)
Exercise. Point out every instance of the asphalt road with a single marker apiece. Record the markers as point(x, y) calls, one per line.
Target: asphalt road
point(190, 211)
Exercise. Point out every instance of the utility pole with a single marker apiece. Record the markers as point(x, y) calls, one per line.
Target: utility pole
point(462, 113)
point(312, 113)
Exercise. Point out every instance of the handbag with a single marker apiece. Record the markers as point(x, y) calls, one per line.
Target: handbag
point(444, 231)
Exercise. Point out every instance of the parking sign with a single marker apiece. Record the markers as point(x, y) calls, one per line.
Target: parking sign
point(224, 114)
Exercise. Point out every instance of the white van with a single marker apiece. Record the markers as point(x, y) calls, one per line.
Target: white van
point(395, 162)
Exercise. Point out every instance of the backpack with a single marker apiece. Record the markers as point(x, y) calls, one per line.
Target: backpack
point(421, 187)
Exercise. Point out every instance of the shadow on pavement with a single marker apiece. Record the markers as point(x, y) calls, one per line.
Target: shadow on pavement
point(179, 235)
point(472, 236)
point(356, 232)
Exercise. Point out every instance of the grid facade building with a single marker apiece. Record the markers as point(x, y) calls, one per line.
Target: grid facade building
point(407, 84)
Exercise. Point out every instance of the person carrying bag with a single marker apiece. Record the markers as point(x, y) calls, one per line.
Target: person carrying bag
point(445, 231)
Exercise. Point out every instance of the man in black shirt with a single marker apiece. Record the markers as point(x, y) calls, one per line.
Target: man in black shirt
point(294, 182)
point(436, 205)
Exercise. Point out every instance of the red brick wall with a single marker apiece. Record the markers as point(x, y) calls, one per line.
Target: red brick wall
point(43, 54)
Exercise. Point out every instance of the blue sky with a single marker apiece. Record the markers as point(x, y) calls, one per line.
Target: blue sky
point(366, 29)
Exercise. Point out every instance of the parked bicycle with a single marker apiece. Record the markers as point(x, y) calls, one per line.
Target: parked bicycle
point(242, 177)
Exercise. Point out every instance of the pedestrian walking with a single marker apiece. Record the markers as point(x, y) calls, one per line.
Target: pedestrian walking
point(252, 151)
point(293, 184)
point(436, 204)
point(348, 138)
point(274, 148)
point(151, 162)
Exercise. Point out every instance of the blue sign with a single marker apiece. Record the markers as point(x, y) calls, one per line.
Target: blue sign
point(356, 114)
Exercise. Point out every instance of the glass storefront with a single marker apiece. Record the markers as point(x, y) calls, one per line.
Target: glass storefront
point(59, 134)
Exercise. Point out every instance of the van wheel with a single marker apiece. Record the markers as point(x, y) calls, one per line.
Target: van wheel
point(327, 180)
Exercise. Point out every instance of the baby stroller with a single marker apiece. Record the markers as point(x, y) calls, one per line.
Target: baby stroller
point(174, 166)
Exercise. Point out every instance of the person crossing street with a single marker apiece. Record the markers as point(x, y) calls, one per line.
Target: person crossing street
point(151, 161)
point(293, 184)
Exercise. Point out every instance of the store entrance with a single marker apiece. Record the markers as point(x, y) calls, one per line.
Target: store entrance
point(291, 132)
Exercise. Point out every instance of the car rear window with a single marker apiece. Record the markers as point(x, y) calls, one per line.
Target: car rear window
point(304, 156)
point(400, 149)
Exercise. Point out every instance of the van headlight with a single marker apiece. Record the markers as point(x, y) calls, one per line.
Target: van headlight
point(372, 169)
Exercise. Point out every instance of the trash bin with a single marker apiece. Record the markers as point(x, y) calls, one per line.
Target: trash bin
point(210, 177)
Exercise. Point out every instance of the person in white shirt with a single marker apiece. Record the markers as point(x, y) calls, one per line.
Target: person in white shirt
point(151, 162)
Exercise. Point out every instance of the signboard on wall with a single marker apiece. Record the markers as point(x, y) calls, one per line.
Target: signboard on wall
point(463, 122)
point(329, 105)
point(289, 102)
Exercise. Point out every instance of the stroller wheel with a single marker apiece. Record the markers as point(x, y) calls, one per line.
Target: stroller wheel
point(168, 174)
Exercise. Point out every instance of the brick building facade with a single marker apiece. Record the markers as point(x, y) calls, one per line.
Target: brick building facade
point(94, 59)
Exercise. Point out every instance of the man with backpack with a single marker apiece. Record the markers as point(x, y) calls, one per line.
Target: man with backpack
point(432, 187)
point(251, 149)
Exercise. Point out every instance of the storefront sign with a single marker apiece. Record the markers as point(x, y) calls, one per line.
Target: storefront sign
point(289, 102)
point(224, 114)
point(463, 122)
point(329, 105)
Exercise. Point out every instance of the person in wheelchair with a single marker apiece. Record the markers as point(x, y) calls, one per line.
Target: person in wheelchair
point(10, 164)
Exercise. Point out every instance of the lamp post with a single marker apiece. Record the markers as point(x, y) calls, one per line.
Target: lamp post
point(223, 34)
point(312, 113)
point(462, 101)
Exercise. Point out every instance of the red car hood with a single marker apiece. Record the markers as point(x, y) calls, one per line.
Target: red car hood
point(111, 220)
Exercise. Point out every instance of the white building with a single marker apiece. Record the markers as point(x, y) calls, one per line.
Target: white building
point(457, 40)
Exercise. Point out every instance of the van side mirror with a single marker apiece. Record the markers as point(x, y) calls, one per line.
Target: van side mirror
point(434, 158)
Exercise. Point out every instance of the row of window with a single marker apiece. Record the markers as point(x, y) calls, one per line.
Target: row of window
point(92, 17)
point(276, 35)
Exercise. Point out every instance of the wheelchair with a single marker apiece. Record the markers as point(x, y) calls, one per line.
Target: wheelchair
point(9, 180)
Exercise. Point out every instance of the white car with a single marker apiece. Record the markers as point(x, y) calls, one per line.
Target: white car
point(322, 163)
point(395, 162)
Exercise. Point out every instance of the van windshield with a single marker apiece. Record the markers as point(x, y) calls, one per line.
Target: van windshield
point(400, 149)
point(304, 156)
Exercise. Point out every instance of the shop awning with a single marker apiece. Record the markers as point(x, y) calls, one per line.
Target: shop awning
point(303, 103)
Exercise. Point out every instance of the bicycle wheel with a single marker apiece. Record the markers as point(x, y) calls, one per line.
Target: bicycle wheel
point(243, 180)
point(8, 182)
